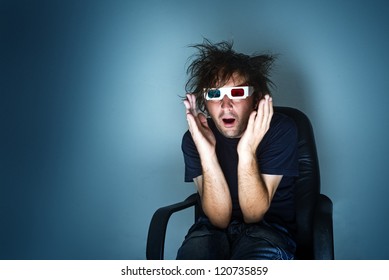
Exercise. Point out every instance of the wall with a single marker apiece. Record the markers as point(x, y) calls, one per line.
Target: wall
point(92, 121)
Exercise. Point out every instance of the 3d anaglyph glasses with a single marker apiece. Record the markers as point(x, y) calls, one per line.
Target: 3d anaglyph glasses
point(241, 92)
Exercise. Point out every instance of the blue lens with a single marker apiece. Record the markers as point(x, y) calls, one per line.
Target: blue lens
point(214, 93)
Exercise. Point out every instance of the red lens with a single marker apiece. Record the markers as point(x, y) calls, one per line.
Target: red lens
point(237, 92)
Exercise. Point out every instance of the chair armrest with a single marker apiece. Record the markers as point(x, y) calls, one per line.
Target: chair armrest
point(158, 225)
point(323, 240)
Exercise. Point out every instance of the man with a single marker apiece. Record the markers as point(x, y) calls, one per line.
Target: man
point(242, 158)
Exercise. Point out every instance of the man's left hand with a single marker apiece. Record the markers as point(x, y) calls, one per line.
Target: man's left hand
point(257, 126)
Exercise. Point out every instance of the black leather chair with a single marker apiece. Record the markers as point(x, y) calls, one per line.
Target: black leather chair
point(314, 210)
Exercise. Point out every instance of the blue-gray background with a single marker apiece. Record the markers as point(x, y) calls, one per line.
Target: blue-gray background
point(91, 121)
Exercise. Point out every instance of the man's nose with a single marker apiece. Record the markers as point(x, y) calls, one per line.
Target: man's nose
point(226, 102)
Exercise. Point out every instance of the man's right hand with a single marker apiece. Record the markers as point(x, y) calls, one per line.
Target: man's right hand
point(202, 135)
point(211, 185)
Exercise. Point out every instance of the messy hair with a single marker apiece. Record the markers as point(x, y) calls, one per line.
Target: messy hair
point(214, 64)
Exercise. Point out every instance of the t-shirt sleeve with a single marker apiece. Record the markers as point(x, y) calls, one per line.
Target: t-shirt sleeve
point(191, 158)
point(277, 153)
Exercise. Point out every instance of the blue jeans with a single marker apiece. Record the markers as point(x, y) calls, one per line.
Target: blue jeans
point(240, 241)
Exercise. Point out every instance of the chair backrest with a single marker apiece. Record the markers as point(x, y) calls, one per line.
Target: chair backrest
point(307, 187)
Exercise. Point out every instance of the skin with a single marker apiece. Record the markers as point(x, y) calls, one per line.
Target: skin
point(234, 119)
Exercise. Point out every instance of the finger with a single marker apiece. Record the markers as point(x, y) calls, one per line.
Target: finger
point(251, 122)
point(192, 102)
point(268, 112)
point(189, 119)
point(260, 113)
point(192, 124)
point(187, 106)
point(271, 107)
point(202, 119)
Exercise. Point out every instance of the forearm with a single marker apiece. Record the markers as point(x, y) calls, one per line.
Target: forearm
point(215, 194)
point(254, 197)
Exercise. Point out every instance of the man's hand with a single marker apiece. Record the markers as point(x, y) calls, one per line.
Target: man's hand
point(257, 126)
point(255, 190)
point(211, 185)
point(202, 135)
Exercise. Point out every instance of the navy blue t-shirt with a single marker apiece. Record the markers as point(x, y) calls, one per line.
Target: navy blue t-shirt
point(276, 154)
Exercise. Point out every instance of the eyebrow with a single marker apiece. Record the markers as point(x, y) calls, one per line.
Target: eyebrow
point(241, 85)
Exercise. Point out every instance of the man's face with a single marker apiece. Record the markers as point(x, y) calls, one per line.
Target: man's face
point(231, 116)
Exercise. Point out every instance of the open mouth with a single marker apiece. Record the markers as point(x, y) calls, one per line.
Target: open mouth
point(228, 121)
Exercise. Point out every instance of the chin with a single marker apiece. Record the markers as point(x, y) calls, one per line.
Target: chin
point(231, 134)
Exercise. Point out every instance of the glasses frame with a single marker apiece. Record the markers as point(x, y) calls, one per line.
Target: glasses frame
point(247, 91)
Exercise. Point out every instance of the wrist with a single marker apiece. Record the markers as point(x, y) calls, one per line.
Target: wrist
point(247, 157)
point(209, 160)
point(246, 150)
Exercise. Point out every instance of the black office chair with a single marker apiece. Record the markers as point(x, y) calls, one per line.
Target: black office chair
point(313, 209)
